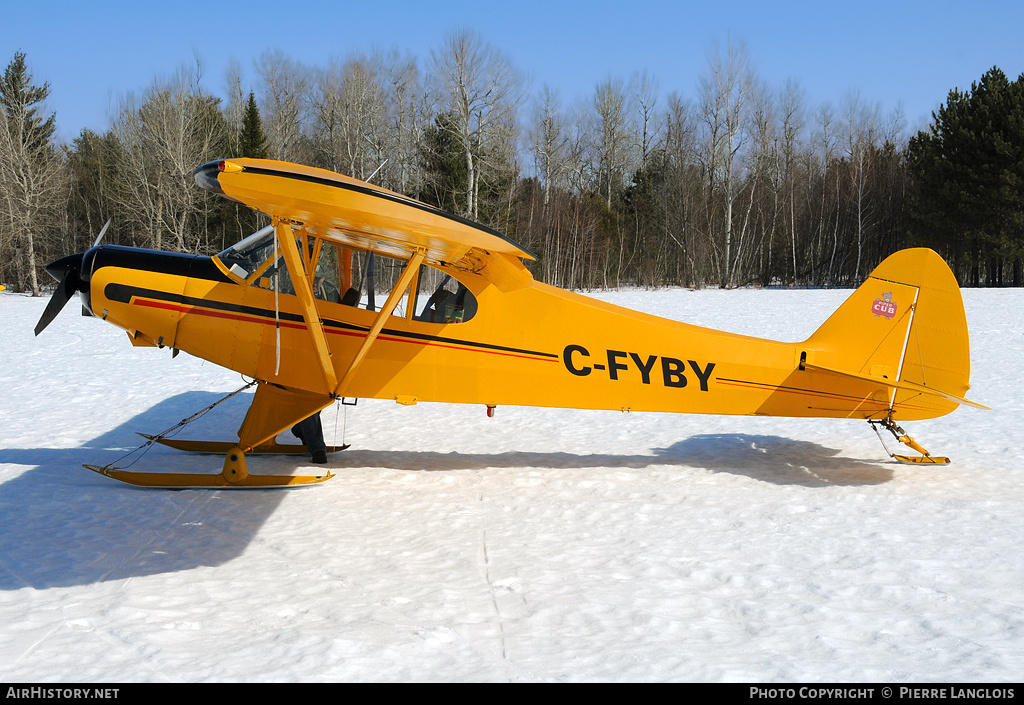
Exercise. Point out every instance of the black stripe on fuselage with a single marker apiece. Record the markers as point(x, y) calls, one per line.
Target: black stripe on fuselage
point(123, 293)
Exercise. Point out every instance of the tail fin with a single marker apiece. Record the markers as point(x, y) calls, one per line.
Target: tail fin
point(905, 326)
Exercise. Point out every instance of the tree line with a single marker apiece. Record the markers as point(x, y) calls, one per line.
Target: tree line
point(742, 184)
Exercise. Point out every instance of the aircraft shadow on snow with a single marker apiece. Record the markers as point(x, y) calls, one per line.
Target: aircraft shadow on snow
point(772, 459)
point(61, 525)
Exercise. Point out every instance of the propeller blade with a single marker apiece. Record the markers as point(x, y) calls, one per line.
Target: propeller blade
point(61, 295)
point(67, 272)
point(102, 231)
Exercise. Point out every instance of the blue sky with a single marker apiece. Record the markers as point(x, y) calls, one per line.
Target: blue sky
point(894, 53)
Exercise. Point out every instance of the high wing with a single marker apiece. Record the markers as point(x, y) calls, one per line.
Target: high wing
point(355, 213)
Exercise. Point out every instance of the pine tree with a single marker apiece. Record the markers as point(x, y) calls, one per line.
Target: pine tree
point(444, 166)
point(252, 142)
point(969, 172)
point(19, 98)
point(30, 178)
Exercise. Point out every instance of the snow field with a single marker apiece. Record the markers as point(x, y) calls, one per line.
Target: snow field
point(542, 544)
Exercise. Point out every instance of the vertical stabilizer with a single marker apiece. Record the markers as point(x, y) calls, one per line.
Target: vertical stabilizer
point(905, 323)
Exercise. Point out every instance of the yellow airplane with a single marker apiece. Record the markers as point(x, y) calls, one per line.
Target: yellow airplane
point(294, 307)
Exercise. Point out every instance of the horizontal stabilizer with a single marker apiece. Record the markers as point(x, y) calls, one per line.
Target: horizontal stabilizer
point(894, 384)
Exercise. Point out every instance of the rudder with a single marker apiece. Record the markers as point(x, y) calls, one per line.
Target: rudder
point(905, 324)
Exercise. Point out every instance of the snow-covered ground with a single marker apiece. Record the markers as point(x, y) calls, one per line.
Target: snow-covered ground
point(538, 545)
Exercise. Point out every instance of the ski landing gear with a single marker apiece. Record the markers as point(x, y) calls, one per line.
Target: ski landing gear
point(234, 475)
point(926, 458)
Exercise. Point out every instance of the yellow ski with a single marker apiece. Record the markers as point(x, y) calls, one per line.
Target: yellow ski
point(186, 480)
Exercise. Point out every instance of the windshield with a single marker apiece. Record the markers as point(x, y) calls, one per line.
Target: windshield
point(250, 253)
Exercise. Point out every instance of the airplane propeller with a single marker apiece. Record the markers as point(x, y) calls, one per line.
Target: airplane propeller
point(67, 271)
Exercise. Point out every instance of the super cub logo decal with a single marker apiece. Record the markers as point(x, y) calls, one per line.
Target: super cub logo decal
point(884, 306)
point(667, 370)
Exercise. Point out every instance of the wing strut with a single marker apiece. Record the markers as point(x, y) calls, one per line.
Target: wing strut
point(411, 268)
point(304, 291)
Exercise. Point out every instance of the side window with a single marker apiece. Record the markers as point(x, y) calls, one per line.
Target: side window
point(448, 301)
point(272, 270)
point(434, 297)
point(326, 282)
point(353, 277)
point(365, 279)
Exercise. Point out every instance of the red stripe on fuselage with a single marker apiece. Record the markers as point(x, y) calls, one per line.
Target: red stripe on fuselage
point(149, 303)
point(211, 313)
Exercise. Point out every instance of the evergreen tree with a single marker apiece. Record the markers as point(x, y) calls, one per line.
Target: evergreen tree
point(31, 182)
point(92, 168)
point(20, 100)
point(252, 142)
point(968, 199)
point(444, 166)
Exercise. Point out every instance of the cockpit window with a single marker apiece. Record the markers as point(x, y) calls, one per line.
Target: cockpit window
point(326, 282)
point(435, 297)
point(352, 277)
point(252, 259)
point(450, 302)
point(243, 258)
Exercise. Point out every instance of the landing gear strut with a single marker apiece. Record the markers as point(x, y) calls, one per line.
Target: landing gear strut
point(900, 435)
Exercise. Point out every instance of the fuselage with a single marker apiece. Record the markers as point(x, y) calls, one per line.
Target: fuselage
point(526, 343)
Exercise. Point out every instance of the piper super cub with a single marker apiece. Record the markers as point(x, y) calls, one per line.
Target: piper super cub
point(293, 307)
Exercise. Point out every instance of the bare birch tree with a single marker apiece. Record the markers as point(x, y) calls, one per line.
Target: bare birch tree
point(724, 92)
point(611, 136)
point(31, 172)
point(234, 111)
point(282, 93)
point(862, 130)
point(548, 139)
point(683, 184)
point(791, 107)
point(645, 89)
point(481, 89)
point(351, 127)
point(174, 128)
point(404, 97)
